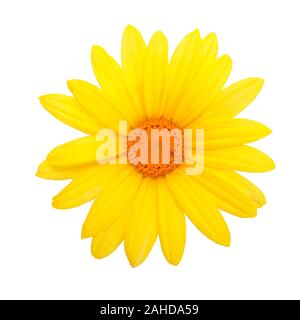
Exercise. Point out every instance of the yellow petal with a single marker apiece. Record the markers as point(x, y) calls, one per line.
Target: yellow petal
point(112, 202)
point(244, 186)
point(203, 90)
point(155, 68)
point(234, 98)
point(93, 100)
point(243, 158)
point(76, 152)
point(171, 224)
point(86, 187)
point(199, 206)
point(225, 133)
point(46, 171)
point(226, 195)
point(111, 78)
point(67, 110)
point(209, 49)
point(108, 241)
point(133, 54)
point(184, 63)
point(141, 232)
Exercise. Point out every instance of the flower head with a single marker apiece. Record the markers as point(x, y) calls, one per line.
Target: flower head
point(142, 190)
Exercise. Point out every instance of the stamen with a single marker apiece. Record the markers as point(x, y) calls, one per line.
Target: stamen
point(160, 169)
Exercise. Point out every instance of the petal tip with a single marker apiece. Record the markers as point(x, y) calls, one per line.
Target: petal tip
point(267, 130)
point(130, 28)
point(95, 253)
point(212, 36)
point(225, 239)
point(226, 58)
point(71, 84)
point(96, 50)
point(261, 81)
point(37, 174)
point(39, 169)
point(44, 100)
point(174, 262)
point(258, 83)
point(272, 164)
point(54, 203)
point(134, 264)
point(132, 259)
point(158, 35)
point(195, 33)
point(57, 204)
point(41, 98)
point(227, 242)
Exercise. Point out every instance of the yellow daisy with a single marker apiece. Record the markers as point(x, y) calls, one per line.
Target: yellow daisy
point(138, 203)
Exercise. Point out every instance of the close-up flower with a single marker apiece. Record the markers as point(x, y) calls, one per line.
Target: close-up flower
point(137, 203)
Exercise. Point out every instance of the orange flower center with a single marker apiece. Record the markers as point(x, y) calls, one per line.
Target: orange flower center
point(159, 169)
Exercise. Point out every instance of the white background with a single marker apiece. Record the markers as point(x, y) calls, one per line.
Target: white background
point(43, 44)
